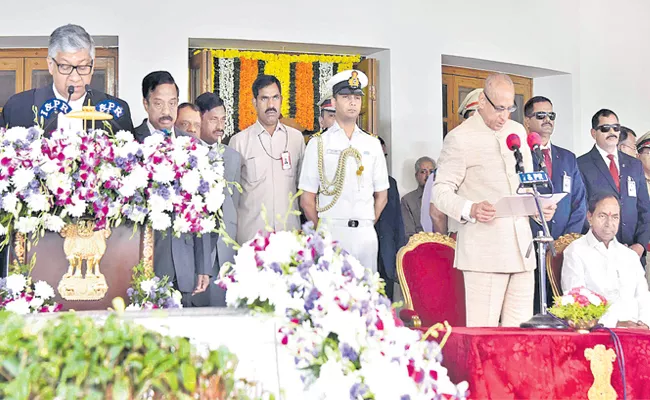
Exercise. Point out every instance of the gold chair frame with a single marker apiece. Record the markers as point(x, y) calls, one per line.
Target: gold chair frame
point(560, 244)
point(415, 241)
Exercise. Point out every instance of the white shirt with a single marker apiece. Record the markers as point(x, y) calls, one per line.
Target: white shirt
point(357, 199)
point(604, 155)
point(615, 272)
point(63, 121)
point(153, 130)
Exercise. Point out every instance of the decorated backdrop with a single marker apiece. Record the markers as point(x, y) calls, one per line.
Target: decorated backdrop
point(302, 76)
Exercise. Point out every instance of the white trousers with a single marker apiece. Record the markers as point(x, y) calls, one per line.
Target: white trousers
point(361, 242)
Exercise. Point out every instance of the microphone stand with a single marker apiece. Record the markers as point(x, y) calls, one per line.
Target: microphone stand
point(543, 320)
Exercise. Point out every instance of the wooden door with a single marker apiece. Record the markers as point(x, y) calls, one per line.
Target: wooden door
point(368, 119)
point(11, 78)
point(458, 82)
point(201, 74)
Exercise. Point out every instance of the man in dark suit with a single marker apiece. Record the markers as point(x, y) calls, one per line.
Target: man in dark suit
point(187, 260)
point(563, 171)
point(213, 122)
point(71, 54)
point(606, 170)
point(390, 233)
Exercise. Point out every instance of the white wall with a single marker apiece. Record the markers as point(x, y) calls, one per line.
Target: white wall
point(601, 44)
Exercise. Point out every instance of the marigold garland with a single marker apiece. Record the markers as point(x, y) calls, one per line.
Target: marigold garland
point(300, 91)
point(248, 71)
point(305, 95)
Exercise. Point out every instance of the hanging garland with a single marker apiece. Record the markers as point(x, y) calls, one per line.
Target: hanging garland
point(226, 91)
point(248, 71)
point(305, 95)
point(303, 80)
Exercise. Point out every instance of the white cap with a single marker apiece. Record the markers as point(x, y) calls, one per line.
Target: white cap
point(349, 82)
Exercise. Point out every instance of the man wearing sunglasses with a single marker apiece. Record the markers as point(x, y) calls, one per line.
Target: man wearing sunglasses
point(563, 171)
point(605, 169)
point(475, 170)
point(70, 61)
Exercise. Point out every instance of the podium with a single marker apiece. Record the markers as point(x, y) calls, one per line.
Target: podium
point(83, 279)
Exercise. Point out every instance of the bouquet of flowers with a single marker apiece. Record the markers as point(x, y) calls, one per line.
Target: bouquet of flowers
point(581, 307)
point(341, 331)
point(148, 292)
point(47, 182)
point(18, 294)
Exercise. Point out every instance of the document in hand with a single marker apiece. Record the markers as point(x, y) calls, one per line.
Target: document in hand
point(523, 205)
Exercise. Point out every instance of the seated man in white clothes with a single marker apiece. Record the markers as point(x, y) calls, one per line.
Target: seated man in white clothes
point(600, 263)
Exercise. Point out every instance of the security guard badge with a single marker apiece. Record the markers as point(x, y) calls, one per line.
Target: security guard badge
point(353, 82)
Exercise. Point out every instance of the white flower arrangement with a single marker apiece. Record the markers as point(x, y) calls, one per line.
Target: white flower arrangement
point(341, 331)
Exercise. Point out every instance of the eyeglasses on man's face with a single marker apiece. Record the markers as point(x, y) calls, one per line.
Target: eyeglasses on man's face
point(67, 69)
point(501, 109)
point(541, 115)
point(607, 127)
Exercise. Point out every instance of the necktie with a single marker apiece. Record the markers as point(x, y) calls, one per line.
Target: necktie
point(547, 160)
point(613, 170)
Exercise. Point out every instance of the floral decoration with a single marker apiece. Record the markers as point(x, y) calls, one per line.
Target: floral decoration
point(148, 292)
point(305, 95)
point(48, 182)
point(20, 295)
point(580, 306)
point(340, 329)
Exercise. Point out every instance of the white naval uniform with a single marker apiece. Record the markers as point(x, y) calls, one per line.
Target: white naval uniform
point(357, 201)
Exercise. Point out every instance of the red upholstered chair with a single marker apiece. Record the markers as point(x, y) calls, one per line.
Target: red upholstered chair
point(554, 264)
point(434, 291)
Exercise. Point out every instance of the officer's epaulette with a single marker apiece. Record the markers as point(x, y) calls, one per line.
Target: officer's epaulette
point(371, 134)
point(317, 134)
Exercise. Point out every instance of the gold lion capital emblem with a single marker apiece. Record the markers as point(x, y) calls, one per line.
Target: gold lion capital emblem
point(83, 243)
point(353, 82)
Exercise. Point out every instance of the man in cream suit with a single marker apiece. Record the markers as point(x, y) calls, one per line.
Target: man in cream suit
point(475, 170)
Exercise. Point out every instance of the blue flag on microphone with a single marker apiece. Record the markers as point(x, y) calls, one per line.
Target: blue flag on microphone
point(110, 106)
point(54, 105)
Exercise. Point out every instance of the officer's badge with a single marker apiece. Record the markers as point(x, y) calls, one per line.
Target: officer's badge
point(353, 82)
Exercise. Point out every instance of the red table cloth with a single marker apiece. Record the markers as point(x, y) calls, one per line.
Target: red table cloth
point(513, 363)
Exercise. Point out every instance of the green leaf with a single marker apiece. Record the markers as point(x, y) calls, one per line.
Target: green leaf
point(121, 389)
point(189, 377)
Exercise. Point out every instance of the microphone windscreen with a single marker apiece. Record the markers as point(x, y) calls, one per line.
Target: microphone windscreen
point(513, 142)
point(534, 139)
point(70, 89)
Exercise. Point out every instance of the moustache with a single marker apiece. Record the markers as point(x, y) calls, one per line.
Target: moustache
point(612, 136)
point(165, 118)
point(271, 110)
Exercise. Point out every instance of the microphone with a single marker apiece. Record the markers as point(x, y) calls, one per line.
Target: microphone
point(535, 143)
point(70, 92)
point(514, 143)
point(89, 90)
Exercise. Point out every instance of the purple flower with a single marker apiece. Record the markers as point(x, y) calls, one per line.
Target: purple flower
point(130, 157)
point(348, 352)
point(303, 268)
point(212, 155)
point(385, 301)
point(32, 134)
point(129, 292)
point(120, 162)
point(275, 267)
point(405, 397)
point(40, 173)
point(137, 198)
point(163, 192)
point(139, 153)
point(204, 187)
point(311, 298)
point(193, 161)
point(346, 269)
point(358, 390)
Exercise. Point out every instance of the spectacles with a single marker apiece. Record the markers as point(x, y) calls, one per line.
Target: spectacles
point(159, 104)
point(540, 115)
point(66, 69)
point(605, 128)
point(430, 171)
point(501, 109)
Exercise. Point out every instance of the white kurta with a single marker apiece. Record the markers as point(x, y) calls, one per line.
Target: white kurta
point(614, 272)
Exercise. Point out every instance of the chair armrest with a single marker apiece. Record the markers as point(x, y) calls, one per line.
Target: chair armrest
point(410, 318)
